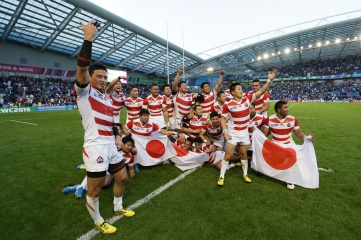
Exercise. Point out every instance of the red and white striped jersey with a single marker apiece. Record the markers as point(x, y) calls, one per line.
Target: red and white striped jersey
point(238, 113)
point(258, 120)
point(265, 97)
point(214, 132)
point(218, 108)
point(206, 147)
point(133, 107)
point(168, 101)
point(281, 129)
point(136, 127)
point(208, 102)
point(154, 105)
point(96, 110)
point(229, 96)
point(194, 124)
point(128, 157)
point(182, 104)
point(118, 102)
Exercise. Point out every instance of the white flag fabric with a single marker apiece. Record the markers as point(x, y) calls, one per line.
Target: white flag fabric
point(185, 159)
point(290, 163)
point(152, 150)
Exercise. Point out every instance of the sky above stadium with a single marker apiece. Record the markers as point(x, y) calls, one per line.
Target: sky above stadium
point(199, 25)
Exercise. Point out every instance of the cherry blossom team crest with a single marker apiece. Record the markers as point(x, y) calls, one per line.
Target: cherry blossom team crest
point(100, 159)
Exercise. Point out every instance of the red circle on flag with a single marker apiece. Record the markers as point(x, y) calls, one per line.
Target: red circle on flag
point(155, 148)
point(283, 159)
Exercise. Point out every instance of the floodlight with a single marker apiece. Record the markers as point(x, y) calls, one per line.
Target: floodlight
point(259, 57)
point(265, 56)
point(319, 44)
point(287, 50)
point(310, 45)
point(327, 42)
point(337, 40)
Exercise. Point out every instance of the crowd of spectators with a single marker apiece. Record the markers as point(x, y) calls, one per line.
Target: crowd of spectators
point(332, 66)
point(30, 91)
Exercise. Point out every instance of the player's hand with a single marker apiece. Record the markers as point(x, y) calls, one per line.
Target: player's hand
point(227, 136)
point(118, 142)
point(180, 70)
point(310, 137)
point(222, 72)
point(197, 130)
point(272, 75)
point(89, 30)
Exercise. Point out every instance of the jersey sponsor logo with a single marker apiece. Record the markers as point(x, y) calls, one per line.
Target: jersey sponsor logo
point(233, 108)
point(273, 125)
point(288, 124)
point(246, 105)
point(100, 159)
point(256, 123)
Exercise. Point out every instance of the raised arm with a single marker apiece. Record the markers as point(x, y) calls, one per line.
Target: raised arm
point(176, 79)
point(271, 76)
point(111, 85)
point(84, 58)
point(220, 81)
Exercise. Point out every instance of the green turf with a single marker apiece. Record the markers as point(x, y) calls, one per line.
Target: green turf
point(38, 160)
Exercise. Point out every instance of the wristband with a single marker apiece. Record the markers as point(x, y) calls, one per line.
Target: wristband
point(84, 57)
point(205, 141)
point(225, 131)
point(269, 81)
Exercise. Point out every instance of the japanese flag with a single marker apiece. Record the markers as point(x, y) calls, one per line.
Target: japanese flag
point(152, 150)
point(290, 163)
point(185, 159)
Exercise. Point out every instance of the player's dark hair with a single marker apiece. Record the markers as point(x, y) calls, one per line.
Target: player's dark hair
point(96, 66)
point(180, 83)
point(220, 93)
point(204, 83)
point(256, 80)
point(279, 104)
point(213, 114)
point(153, 85)
point(195, 106)
point(233, 87)
point(198, 140)
point(127, 139)
point(167, 85)
point(143, 111)
point(132, 88)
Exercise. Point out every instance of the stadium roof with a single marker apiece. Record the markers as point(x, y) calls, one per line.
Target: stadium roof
point(50, 25)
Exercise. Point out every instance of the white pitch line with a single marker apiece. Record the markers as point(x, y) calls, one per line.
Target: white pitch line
point(23, 122)
point(140, 202)
point(293, 105)
point(326, 170)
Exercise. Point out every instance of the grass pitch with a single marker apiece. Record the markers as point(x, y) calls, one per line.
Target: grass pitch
point(37, 161)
